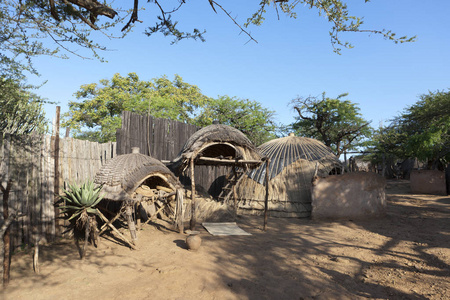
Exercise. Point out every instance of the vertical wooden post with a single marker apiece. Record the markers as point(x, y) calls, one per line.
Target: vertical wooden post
point(234, 191)
point(179, 217)
point(131, 225)
point(266, 200)
point(56, 181)
point(6, 236)
point(193, 218)
point(5, 186)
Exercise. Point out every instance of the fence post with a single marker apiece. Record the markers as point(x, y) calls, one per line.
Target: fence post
point(56, 180)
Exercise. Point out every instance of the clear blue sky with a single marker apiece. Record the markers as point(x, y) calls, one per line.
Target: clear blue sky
point(292, 58)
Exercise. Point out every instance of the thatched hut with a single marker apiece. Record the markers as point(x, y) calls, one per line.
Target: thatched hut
point(217, 145)
point(294, 161)
point(135, 178)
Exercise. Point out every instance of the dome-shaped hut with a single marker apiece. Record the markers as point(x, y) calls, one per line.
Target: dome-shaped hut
point(216, 145)
point(136, 178)
point(294, 161)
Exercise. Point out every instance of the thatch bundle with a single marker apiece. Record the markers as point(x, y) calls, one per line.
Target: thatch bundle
point(294, 161)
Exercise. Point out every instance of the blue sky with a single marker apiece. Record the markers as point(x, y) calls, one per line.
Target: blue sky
point(292, 58)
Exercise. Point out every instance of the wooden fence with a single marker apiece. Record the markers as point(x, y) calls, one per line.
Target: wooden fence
point(163, 139)
point(29, 162)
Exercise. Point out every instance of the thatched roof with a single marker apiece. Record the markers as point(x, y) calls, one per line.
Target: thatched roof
point(124, 173)
point(217, 141)
point(285, 151)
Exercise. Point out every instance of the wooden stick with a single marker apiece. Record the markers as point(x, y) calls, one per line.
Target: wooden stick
point(229, 161)
point(157, 212)
point(163, 188)
point(266, 199)
point(104, 226)
point(116, 231)
point(36, 258)
point(234, 191)
point(193, 219)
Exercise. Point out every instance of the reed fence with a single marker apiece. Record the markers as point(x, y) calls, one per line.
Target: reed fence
point(28, 166)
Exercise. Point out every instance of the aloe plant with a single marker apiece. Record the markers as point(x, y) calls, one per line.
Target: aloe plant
point(80, 210)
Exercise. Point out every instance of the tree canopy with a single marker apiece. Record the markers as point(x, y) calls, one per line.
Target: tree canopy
point(21, 110)
point(250, 117)
point(422, 131)
point(63, 24)
point(98, 115)
point(335, 122)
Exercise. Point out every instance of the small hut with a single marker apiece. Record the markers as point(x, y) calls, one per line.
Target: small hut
point(294, 161)
point(217, 145)
point(140, 181)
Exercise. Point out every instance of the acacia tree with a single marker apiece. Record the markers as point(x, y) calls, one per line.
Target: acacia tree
point(26, 23)
point(250, 117)
point(21, 111)
point(98, 115)
point(422, 131)
point(335, 122)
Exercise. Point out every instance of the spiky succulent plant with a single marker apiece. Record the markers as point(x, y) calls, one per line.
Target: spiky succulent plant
point(80, 210)
point(81, 198)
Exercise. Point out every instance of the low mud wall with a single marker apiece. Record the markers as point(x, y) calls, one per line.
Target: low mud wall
point(351, 195)
point(428, 182)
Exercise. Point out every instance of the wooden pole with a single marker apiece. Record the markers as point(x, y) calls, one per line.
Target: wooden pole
point(193, 219)
point(5, 187)
point(266, 200)
point(6, 237)
point(115, 230)
point(56, 179)
point(234, 191)
point(131, 225)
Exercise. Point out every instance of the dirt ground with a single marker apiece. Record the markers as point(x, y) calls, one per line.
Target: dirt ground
point(404, 255)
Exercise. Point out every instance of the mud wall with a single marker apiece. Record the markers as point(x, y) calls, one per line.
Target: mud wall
point(351, 195)
point(428, 182)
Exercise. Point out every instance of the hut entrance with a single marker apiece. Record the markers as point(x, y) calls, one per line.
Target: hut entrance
point(223, 150)
point(156, 198)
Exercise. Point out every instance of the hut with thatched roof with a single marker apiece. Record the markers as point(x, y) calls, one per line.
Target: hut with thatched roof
point(294, 161)
point(134, 178)
point(217, 145)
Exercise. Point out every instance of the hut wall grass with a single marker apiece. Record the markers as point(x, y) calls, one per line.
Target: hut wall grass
point(289, 191)
point(29, 161)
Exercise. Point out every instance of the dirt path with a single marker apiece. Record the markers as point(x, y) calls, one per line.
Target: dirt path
point(405, 255)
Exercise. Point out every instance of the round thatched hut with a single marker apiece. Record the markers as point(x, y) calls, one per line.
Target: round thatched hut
point(217, 145)
point(140, 179)
point(294, 161)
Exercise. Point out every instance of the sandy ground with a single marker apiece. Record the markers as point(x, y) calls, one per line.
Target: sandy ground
point(404, 255)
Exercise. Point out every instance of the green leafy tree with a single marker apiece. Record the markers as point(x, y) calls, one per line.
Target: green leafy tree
point(98, 115)
point(335, 122)
point(250, 117)
point(21, 111)
point(427, 126)
point(422, 131)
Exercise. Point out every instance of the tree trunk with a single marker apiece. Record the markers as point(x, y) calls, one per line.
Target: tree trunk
point(87, 228)
point(6, 245)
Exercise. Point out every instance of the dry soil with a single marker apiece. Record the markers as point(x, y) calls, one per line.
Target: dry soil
point(403, 255)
